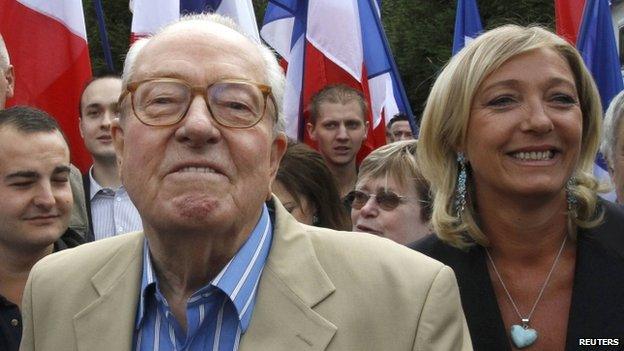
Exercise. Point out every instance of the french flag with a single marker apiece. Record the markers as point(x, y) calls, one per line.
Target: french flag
point(47, 44)
point(328, 42)
point(151, 15)
point(591, 30)
point(467, 24)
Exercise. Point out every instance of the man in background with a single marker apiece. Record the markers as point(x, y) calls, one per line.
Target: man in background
point(35, 206)
point(338, 125)
point(78, 221)
point(109, 207)
point(399, 128)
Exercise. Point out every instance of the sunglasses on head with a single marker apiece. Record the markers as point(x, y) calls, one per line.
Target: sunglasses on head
point(386, 200)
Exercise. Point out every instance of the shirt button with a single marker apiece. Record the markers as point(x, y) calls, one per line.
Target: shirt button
point(118, 199)
point(120, 229)
point(14, 322)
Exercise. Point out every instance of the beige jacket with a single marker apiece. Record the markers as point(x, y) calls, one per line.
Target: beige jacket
point(320, 290)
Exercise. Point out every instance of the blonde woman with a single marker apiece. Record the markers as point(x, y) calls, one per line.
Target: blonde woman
point(508, 139)
point(391, 198)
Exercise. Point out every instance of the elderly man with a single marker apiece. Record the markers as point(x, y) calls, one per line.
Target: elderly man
point(220, 264)
point(7, 78)
point(109, 207)
point(612, 146)
point(35, 204)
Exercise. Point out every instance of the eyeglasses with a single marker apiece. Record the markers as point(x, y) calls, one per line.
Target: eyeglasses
point(386, 200)
point(165, 101)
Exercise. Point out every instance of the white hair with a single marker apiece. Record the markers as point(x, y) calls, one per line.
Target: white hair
point(612, 124)
point(4, 55)
point(274, 73)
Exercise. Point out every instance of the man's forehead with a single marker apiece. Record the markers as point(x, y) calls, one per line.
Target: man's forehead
point(108, 87)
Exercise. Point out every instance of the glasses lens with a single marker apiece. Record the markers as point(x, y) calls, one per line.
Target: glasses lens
point(236, 104)
point(161, 103)
point(388, 201)
point(358, 199)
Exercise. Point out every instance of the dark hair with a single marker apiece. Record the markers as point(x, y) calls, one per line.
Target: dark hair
point(29, 120)
point(91, 81)
point(398, 117)
point(303, 173)
point(337, 94)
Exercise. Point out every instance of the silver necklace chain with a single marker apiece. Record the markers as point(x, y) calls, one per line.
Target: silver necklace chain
point(525, 321)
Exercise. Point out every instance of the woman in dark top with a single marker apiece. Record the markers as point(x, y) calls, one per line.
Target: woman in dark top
point(507, 141)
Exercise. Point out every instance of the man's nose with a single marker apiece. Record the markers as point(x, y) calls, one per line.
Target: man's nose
point(198, 127)
point(342, 132)
point(44, 198)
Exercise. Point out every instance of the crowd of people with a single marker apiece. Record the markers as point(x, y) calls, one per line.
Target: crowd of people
point(201, 226)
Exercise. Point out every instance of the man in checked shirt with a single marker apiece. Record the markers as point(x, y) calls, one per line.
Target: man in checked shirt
point(221, 265)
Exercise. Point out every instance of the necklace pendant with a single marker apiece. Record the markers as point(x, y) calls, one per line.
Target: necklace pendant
point(523, 336)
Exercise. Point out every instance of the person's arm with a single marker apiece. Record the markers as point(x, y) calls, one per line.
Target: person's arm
point(442, 325)
point(28, 332)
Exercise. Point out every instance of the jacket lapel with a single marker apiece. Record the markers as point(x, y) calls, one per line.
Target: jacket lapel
point(117, 287)
point(292, 283)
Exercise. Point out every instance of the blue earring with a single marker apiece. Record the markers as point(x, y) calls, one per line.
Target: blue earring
point(570, 197)
point(460, 187)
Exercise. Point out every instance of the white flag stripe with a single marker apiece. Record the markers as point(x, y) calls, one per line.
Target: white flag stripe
point(242, 12)
point(292, 91)
point(334, 29)
point(68, 12)
point(151, 15)
point(278, 34)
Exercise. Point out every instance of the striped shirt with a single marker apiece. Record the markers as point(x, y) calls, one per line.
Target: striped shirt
point(112, 211)
point(217, 314)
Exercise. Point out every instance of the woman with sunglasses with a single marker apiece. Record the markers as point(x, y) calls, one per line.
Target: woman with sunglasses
point(508, 141)
point(391, 197)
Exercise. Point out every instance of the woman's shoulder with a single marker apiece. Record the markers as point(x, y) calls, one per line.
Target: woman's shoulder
point(610, 232)
point(440, 250)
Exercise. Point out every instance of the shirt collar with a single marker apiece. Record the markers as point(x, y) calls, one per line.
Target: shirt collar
point(96, 187)
point(239, 278)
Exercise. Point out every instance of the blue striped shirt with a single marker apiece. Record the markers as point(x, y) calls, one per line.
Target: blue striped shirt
point(112, 211)
point(217, 314)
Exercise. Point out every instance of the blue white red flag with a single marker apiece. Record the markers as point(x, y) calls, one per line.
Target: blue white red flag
point(596, 42)
point(47, 45)
point(151, 15)
point(467, 24)
point(328, 42)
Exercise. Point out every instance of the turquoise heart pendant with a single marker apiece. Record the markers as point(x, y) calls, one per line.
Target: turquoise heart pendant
point(522, 336)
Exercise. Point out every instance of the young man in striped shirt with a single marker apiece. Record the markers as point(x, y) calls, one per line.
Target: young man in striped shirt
point(110, 210)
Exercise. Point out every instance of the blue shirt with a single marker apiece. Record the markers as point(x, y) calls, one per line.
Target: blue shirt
point(112, 211)
point(217, 314)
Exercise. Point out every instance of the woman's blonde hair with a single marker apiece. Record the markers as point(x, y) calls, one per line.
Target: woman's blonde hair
point(398, 160)
point(445, 122)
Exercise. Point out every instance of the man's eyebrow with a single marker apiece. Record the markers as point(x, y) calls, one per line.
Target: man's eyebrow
point(22, 174)
point(61, 169)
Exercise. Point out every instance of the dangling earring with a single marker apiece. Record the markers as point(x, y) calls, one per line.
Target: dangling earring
point(460, 187)
point(570, 197)
point(316, 220)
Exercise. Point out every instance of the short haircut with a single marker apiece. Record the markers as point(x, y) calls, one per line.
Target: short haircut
point(274, 72)
point(444, 127)
point(91, 81)
point(29, 120)
point(611, 127)
point(336, 94)
point(303, 173)
point(5, 61)
point(398, 117)
point(399, 161)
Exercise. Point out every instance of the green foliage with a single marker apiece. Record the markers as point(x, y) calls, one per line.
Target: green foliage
point(420, 33)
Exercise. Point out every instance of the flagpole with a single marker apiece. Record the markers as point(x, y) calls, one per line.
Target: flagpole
point(395, 70)
point(104, 35)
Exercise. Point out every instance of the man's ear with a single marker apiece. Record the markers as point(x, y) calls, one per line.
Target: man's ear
point(10, 77)
point(278, 149)
point(310, 129)
point(117, 133)
point(80, 127)
point(366, 129)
